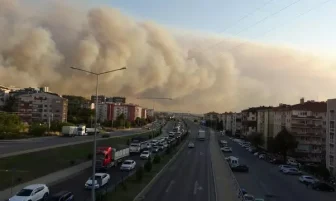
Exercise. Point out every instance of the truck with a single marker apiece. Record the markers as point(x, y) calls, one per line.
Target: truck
point(137, 145)
point(201, 135)
point(91, 131)
point(107, 157)
point(70, 131)
point(81, 130)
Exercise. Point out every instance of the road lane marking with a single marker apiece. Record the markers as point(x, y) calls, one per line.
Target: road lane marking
point(197, 187)
point(170, 184)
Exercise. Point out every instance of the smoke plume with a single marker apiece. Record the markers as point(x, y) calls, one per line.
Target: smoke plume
point(38, 44)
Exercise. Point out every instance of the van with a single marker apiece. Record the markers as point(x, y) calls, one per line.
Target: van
point(233, 161)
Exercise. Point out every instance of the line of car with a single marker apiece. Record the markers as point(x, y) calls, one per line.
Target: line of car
point(292, 167)
point(36, 192)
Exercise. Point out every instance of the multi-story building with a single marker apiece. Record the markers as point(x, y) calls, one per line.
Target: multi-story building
point(42, 107)
point(212, 116)
point(307, 122)
point(101, 99)
point(4, 95)
point(236, 124)
point(78, 102)
point(330, 136)
point(150, 112)
point(144, 113)
point(265, 124)
point(250, 119)
point(116, 99)
point(232, 122)
point(134, 111)
point(228, 122)
point(120, 109)
point(103, 112)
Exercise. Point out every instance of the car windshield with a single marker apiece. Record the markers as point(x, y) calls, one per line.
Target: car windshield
point(127, 162)
point(25, 192)
point(145, 152)
point(96, 177)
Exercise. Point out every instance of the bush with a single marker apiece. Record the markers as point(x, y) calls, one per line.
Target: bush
point(37, 129)
point(157, 159)
point(139, 173)
point(148, 165)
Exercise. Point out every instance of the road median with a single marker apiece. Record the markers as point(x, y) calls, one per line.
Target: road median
point(15, 170)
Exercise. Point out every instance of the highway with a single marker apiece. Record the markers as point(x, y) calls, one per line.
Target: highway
point(76, 184)
point(264, 180)
point(189, 177)
point(12, 146)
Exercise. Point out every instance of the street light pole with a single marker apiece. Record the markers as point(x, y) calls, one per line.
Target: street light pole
point(93, 196)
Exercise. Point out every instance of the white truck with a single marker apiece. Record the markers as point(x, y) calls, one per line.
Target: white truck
point(91, 131)
point(81, 130)
point(70, 131)
point(201, 135)
point(137, 147)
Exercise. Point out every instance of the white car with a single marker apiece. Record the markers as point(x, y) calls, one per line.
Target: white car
point(226, 149)
point(128, 165)
point(256, 154)
point(32, 192)
point(145, 155)
point(282, 167)
point(292, 171)
point(101, 179)
point(191, 145)
point(262, 156)
point(148, 146)
point(308, 179)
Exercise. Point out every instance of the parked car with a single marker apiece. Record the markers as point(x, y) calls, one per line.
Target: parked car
point(191, 145)
point(100, 180)
point(240, 168)
point(34, 192)
point(282, 167)
point(306, 179)
point(226, 149)
point(128, 165)
point(145, 155)
point(62, 196)
point(248, 197)
point(292, 171)
point(321, 186)
point(262, 156)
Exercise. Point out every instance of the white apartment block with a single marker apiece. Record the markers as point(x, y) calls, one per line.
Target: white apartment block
point(150, 112)
point(102, 112)
point(330, 136)
point(228, 122)
point(307, 122)
point(265, 124)
point(231, 122)
point(120, 109)
point(249, 121)
point(212, 116)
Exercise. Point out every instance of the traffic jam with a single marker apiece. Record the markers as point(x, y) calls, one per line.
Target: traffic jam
point(108, 160)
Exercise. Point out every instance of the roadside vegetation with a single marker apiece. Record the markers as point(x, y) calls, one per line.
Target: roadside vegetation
point(132, 186)
point(27, 167)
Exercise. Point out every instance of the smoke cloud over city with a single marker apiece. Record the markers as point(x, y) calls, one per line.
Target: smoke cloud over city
point(39, 43)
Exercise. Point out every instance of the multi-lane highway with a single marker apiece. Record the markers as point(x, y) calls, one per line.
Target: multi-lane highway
point(13, 146)
point(265, 181)
point(76, 184)
point(189, 177)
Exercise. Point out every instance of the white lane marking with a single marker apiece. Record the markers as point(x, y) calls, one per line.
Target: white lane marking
point(197, 187)
point(170, 184)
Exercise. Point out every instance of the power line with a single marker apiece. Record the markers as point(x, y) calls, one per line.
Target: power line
point(296, 17)
point(244, 17)
point(262, 20)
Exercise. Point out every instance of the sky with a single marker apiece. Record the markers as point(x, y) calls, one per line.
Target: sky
point(309, 30)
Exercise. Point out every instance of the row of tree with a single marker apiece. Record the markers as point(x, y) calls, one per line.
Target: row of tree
point(122, 122)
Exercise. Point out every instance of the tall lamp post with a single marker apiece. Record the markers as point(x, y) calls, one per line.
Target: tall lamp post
point(93, 197)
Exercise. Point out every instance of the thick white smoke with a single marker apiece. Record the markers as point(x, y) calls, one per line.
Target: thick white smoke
point(39, 43)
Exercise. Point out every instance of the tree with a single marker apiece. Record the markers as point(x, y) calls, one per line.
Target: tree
point(284, 142)
point(38, 129)
point(10, 125)
point(10, 104)
point(256, 139)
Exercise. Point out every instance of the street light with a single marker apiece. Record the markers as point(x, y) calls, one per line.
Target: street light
point(93, 198)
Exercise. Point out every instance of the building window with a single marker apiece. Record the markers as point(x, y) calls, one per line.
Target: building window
point(331, 160)
point(331, 136)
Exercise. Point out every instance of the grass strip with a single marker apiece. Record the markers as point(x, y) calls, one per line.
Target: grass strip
point(37, 164)
point(131, 187)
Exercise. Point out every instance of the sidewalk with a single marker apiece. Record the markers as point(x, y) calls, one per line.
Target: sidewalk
point(225, 184)
point(48, 179)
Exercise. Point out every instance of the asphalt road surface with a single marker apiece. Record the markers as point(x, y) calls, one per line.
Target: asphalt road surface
point(12, 146)
point(265, 181)
point(76, 184)
point(189, 177)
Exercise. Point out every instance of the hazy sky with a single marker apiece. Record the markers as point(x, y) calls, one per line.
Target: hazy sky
point(314, 30)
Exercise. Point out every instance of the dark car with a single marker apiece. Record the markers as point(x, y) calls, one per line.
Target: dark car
point(62, 196)
point(155, 149)
point(319, 186)
point(240, 168)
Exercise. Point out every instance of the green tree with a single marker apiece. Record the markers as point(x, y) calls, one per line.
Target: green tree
point(284, 142)
point(38, 129)
point(10, 124)
point(127, 124)
point(57, 126)
point(256, 139)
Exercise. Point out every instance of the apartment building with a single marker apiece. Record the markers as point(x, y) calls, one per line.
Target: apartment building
point(265, 124)
point(102, 113)
point(4, 94)
point(144, 113)
point(249, 121)
point(330, 136)
point(42, 107)
point(232, 122)
point(307, 122)
point(150, 112)
point(101, 99)
point(116, 99)
point(134, 111)
point(211, 116)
